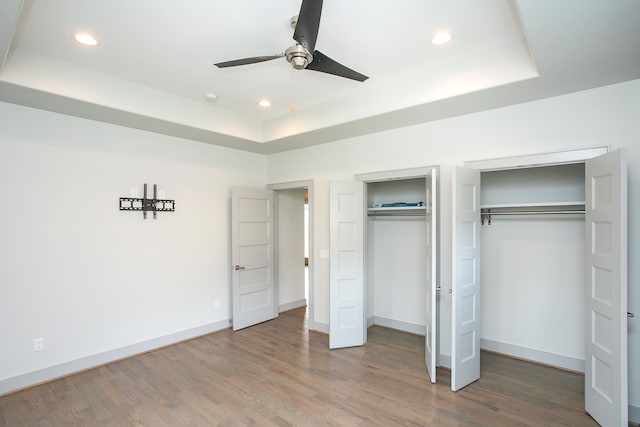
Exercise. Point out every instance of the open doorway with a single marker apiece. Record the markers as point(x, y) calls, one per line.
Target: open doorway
point(294, 246)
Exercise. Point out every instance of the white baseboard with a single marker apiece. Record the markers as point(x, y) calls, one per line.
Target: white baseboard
point(399, 325)
point(52, 372)
point(321, 327)
point(634, 413)
point(292, 305)
point(371, 321)
point(382, 321)
point(538, 356)
point(444, 360)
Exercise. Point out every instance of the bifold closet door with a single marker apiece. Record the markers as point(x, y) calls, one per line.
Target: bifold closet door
point(347, 324)
point(430, 338)
point(465, 351)
point(606, 275)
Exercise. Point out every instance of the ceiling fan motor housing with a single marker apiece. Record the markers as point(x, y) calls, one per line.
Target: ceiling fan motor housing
point(298, 56)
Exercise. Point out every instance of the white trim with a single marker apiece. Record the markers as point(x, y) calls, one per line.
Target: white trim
point(308, 184)
point(399, 325)
point(444, 360)
point(533, 355)
point(395, 174)
point(634, 413)
point(371, 321)
point(292, 185)
point(276, 245)
point(292, 305)
point(322, 327)
point(51, 373)
point(534, 160)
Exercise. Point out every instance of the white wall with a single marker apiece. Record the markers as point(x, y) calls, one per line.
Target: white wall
point(533, 288)
point(603, 116)
point(290, 248)
point(395, 257)
point(533, 301)
point(89, 278)
point(398, 255)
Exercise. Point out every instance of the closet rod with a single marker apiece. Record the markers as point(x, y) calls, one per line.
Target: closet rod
point(373, 215)
point(534, 212)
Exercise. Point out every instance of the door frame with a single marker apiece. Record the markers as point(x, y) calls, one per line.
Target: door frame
point(535, 161)
point(538, 160)
point(393, 175)
point(307, 184)
point(423, 172)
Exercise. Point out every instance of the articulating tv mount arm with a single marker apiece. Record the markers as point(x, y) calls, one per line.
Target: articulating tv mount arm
point(145, 205)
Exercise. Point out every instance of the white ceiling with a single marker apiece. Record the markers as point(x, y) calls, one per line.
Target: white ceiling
point(155, 61)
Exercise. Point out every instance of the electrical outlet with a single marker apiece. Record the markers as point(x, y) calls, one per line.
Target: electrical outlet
point(38, 344)
point(216, 303)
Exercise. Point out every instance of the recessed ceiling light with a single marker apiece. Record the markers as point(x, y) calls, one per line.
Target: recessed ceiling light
point(441, 38)
point(264, 103)
point(85, 39)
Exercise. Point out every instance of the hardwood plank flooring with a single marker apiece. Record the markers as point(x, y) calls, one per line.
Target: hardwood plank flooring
point(279, 374)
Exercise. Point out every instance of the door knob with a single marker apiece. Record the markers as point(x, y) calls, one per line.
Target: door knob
point(630, 314)
point(238, 267)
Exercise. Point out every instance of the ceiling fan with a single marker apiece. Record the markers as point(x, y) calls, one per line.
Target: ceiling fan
point(300, 55)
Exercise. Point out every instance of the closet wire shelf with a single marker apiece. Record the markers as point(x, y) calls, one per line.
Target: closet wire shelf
point(403, 211)
point(487, 212)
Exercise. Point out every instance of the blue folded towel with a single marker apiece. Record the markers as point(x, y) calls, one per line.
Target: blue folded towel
point(401, 204)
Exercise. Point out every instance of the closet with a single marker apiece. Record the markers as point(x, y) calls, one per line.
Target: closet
point(547, 234)
point(554, 259)
point(533, 266)
point(421, 261)
point(396, 251)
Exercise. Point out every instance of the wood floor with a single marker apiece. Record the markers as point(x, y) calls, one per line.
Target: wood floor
point(279, 374)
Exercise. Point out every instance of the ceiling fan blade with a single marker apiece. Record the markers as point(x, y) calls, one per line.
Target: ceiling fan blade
point(308, 23)
point(245, 61)
point(324, 64)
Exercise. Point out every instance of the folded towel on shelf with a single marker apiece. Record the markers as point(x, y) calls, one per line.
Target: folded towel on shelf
point(401, 204)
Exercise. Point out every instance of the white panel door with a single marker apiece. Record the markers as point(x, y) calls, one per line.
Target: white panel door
point(252, 256)
point(606, 275)
point(465, 352)
point(431, 327)
point(347, 324)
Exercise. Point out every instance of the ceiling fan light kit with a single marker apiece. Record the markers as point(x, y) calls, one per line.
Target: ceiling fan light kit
point(300, 56)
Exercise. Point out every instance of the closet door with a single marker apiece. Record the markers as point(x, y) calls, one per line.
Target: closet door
point(465, 351)
point(347, 324)
point(606, 275)
point(430, 338)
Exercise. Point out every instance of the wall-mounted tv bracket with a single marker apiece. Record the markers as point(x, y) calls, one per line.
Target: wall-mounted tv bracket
point(145, 205)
